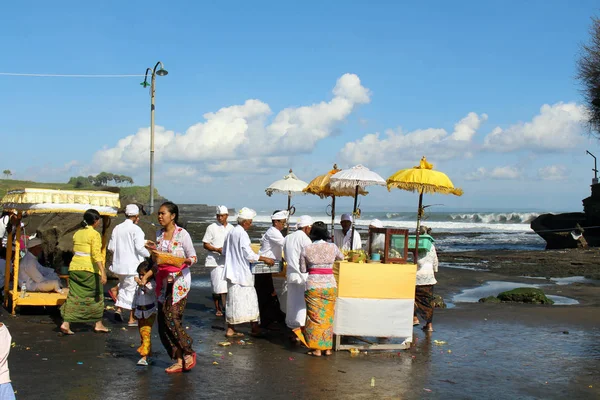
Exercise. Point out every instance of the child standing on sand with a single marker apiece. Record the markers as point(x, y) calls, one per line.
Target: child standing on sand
point(144, 304)
point(6, 389)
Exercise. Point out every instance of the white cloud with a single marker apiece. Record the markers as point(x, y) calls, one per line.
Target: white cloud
point(553, 173)
point(240, 133)
point(374, 150)
point(557, 127)
point(498, 173)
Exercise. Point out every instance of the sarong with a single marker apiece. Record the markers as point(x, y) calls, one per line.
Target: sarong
point(127, 287)
point(317, 333)
point(242, 304)
point(145, 328)
point(85, 301)
point(423, 302)
point(218, 281)
point(268, 303)
point(170, 325)
point(295, 315)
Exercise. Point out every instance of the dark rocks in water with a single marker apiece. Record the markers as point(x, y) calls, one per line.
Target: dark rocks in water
point(490, 299)
point(438, 301)
point(525, 295)
point(556, 229)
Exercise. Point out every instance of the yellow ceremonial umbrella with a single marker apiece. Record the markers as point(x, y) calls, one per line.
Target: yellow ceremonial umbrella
point(422, 179)
point(321, 186)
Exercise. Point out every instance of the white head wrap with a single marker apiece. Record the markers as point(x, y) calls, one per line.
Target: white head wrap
point(132, 210)
point(346, 217)
point(304, 221)
point(222, 210)
point(246, 213)
point(279, 215)
point(34, 242)
point(376, 223)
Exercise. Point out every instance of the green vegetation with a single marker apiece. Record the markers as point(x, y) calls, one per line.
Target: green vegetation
point(525, 295)
point(102, 179)
point(141, 194)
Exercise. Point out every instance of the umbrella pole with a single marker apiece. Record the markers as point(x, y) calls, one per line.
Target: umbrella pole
point(332, 217)
point(353, 216)
point(418, 227)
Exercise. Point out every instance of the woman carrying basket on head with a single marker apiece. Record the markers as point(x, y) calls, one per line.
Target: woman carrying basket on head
point(173, 284)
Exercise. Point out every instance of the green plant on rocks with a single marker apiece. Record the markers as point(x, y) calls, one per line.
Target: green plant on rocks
point(525, 295)
point(490, 299)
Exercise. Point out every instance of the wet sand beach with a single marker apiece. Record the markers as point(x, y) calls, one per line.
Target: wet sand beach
point(491, 351)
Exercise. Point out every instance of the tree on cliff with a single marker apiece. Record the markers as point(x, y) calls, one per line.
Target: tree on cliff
point(588, 72)
point(102, 179)
point(7, 173)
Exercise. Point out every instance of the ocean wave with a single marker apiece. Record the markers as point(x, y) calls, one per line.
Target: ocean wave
point(498, 218)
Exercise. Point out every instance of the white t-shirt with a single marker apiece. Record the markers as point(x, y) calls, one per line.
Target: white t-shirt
point(127, 244)
point(343, 241)
point(215, 236)
point(271, 244)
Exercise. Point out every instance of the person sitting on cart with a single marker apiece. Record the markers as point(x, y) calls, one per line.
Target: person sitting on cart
point(34, 275)
point(343, 237)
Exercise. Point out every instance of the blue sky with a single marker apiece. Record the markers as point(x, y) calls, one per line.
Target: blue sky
point(485, 90)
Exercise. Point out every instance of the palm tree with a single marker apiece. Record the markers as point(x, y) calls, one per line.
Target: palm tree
point(7, 173)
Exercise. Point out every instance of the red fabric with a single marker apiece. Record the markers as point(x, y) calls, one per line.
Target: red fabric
point(163, 271)
point(320, 271)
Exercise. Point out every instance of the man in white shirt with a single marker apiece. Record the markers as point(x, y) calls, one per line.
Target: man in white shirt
point(33, 275)
point(342, 237)
point(127, 244)
point(295, 316)
point(271, 246)
point(242, 302)
point(378, 239)
point(213, 240)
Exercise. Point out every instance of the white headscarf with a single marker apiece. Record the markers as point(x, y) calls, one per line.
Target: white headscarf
point(346, 217)
point(376, 223)
point(304, 221)
point(222, 210)
point(132, 210)
point(279, 215)
point(246, 213)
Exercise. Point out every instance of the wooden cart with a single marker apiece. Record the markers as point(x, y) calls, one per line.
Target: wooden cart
point(38, 201)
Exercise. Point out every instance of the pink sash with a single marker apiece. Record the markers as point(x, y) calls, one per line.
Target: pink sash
point(320, 271)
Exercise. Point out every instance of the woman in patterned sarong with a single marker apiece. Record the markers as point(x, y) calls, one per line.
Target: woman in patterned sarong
point(85, 301)
point(321, 291)
point(173, 285)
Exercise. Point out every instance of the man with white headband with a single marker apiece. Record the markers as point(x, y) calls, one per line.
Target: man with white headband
point(213, 240)
point(378, 239)
point(242, 302)
point(342, 237)
point(34, 275)
point(295, 315)
point(271, 246)
point(127, 244)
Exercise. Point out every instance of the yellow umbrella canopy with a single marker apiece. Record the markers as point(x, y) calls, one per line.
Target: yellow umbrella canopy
point(422, 179)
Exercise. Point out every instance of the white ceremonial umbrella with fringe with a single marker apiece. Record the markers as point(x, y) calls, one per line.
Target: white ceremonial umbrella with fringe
point(357, 177)
point(290, 185)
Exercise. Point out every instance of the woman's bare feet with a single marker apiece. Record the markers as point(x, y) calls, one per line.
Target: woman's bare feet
point(314, 353)
point(415, 321)
point(175, 368)
point(65, 328)
point(327, 352)
point(428, 327)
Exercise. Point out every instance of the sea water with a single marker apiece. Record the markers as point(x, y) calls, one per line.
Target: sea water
point(453, 231)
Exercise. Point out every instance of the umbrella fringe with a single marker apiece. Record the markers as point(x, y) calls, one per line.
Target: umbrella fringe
point(424, 188)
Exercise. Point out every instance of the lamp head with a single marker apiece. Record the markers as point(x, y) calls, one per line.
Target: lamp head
point(162, 71)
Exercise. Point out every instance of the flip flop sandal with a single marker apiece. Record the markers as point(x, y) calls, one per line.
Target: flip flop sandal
point(218, 314)
point(192, 364)
point(235, 335)
point(312, 353)
point(107, 330)
point(132, 324)
point(172, 370)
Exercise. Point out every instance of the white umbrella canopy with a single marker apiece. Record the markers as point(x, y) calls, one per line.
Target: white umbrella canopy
point(356, 177)
point(290, 185)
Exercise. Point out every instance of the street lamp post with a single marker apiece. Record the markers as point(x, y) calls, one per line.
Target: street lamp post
point(160, 72)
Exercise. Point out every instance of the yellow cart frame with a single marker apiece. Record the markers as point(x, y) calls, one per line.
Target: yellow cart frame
point(46, 201)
